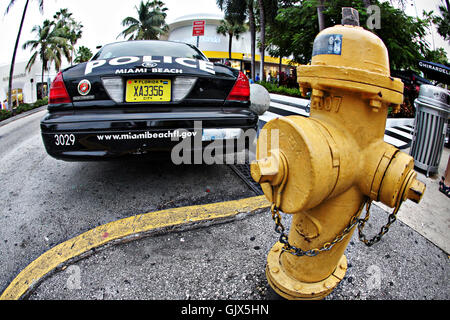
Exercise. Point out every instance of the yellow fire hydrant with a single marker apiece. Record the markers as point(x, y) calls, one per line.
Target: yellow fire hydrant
point(326, 169)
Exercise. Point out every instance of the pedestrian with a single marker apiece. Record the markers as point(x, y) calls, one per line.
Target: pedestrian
point(257, 77)
point(268, 77)
point(444, 184)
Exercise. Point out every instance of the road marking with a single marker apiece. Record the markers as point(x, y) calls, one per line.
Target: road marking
point(393, 141)
point(400, 133)
point(124, 230)
point(296, 110)
point(267, 116)
point(394, 136)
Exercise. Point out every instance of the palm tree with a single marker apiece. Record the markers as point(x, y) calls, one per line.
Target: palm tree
point(252, 27)
point(149, 25)
point(13, 60)
point(443, 23)
point(83, 54)
point(49, 46)
point(267, 12)
point(70, 28)
point(232, 29)
point(240, 9)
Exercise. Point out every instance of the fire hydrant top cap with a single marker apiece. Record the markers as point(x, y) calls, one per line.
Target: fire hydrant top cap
point(352, 47)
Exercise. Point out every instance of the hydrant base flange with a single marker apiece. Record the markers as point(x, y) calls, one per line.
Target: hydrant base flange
point(292, 289)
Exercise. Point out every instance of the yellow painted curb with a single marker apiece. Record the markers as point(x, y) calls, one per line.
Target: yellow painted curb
point(126, 229)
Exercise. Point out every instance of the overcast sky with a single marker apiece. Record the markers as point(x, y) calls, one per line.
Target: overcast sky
point(102, 19)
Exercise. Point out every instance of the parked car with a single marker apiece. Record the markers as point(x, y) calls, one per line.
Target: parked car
point(137, 97)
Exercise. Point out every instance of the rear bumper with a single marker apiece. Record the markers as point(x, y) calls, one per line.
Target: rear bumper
point(108, 134)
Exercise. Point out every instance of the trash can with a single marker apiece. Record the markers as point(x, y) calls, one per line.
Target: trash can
point(430, 127)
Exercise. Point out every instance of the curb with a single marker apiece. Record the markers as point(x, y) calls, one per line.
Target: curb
point(23, 115)
point(125, 230)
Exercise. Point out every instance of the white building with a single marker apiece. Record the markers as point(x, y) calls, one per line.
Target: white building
point(26, 85)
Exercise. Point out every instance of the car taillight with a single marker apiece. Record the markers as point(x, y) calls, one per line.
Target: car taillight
point(241, 89)
point(58, 91)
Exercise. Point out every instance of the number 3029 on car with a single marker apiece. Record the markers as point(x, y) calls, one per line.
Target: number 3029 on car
point(64, 139)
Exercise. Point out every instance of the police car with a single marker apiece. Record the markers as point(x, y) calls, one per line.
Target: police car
point(142, 97)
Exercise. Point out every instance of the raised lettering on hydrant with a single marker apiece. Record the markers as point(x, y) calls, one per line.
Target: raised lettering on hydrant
point(327, 168)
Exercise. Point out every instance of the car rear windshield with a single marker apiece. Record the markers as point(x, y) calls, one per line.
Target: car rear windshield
point(149, 48)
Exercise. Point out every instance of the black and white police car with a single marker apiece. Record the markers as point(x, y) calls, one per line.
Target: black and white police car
point(135, 97)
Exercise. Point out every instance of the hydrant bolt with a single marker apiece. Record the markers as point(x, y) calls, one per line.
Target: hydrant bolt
point(416, 191)
point(268, 169)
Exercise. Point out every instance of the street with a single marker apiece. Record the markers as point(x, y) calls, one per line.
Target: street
point(45, 201)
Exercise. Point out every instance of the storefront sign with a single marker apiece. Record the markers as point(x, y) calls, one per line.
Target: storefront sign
point(17, 76)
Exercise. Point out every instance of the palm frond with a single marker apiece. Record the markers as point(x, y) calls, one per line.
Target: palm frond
point(129, 21)
point(31, 62)
point(149, 24)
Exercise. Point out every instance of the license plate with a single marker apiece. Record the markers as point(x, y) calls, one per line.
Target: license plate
point(148, 90)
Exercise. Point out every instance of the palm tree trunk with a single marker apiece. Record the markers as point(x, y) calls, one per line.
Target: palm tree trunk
point(251, 18)
point(320, 16)
point(262, 37)
point(279, 69)
point(42, 78)
point(230, 41)
point(366, 3)
point(13, 61)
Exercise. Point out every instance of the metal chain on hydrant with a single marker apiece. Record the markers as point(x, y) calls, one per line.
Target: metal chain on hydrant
point(384, 229)
point(279, 228)
point(392, 217)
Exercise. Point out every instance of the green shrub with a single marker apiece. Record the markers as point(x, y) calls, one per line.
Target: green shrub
point(41, 102)
point(23, 107)
point(5, 114)
point(273, 88)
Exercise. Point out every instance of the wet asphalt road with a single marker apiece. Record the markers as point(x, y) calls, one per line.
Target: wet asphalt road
point(46, 201)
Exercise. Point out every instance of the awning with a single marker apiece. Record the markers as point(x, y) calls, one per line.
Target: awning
point(435, 71)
